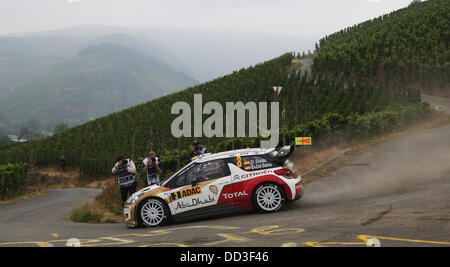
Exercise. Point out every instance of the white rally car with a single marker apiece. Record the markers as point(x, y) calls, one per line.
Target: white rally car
point(247, 179)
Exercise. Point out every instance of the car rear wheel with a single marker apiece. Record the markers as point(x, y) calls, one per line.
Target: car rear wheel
point(268, 197)
point(153, 212)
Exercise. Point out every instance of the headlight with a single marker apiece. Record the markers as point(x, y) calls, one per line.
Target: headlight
point(133, 198)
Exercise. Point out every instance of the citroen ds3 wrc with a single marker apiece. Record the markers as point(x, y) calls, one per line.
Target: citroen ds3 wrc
point(248, 179)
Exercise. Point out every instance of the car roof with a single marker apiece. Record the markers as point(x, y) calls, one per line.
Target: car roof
point(233, 153)
point(222, 155)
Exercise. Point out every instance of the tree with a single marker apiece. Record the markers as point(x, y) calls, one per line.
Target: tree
point(4, 140)
point(60, 127)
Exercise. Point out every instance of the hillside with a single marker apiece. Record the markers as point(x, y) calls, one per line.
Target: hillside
point(408, 46)
point(326, 107)
point(323, 110)
point(100, 79)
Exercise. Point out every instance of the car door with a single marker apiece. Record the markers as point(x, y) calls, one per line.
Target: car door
point(249, 167)
point(203, 184)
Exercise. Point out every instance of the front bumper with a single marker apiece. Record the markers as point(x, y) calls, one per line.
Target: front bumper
point(129, 215)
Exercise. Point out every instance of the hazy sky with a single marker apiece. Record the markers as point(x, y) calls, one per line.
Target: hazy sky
point(307, 18)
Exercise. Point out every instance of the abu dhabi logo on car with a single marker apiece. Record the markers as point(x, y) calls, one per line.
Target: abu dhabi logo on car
point(194, 202)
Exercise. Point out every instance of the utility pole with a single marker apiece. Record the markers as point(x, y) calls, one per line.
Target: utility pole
point(284, 122)
point(132, 146)
point(277, 91)
point(179, 154)
point(151, 138)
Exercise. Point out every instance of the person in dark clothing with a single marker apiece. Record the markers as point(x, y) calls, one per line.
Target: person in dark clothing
point(197, 150)
point(152, 167)
point(63, 164)
point(203, 150)
point(126, 171)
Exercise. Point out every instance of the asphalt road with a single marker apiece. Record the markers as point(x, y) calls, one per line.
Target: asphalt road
point(397, 192)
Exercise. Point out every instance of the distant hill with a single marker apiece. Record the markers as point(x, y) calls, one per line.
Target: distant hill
point(29, 60)
point(100, 79)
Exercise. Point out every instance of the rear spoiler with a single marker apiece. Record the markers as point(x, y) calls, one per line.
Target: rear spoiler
point(284, 153)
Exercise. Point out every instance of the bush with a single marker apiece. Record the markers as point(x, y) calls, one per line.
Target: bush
point(110, 199)
point(13, 179)
point(86, 214)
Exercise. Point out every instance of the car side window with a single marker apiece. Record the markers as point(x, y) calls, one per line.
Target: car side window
point(216, 169)
point(181, 180)
point(177, 181)
point(209, 170)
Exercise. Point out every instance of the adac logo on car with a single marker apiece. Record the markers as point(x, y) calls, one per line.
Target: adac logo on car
point(186, 193)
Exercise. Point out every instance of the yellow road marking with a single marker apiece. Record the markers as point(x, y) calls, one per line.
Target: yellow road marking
point(366, 239)
point(207, 227)
point(165, 245)
point(321, 244)
point(118, 242)
point(289, 245)
point(42, 242)
point(313, 244)
point(275, 230)
point(228, 238)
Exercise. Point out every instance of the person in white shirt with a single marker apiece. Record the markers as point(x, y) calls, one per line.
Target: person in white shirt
point(151, 167)
point(126, 171)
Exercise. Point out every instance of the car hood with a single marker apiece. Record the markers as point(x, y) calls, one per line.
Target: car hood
point(148, 189)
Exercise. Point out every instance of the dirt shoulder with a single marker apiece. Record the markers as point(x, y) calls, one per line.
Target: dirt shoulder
point(309, 158)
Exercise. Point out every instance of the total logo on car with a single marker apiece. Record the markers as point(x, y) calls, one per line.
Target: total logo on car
point(248, 179)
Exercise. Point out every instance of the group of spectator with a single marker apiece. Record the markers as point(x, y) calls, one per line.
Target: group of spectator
point(151, 166)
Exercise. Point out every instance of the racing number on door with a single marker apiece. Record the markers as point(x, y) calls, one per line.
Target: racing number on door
point(239, 162)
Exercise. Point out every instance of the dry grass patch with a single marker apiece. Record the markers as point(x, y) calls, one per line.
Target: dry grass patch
point(309, 158)
point(30, 192)
point(107, 207)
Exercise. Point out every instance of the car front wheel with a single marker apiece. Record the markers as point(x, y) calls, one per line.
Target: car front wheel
point(268, 198)
point(153, 212)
